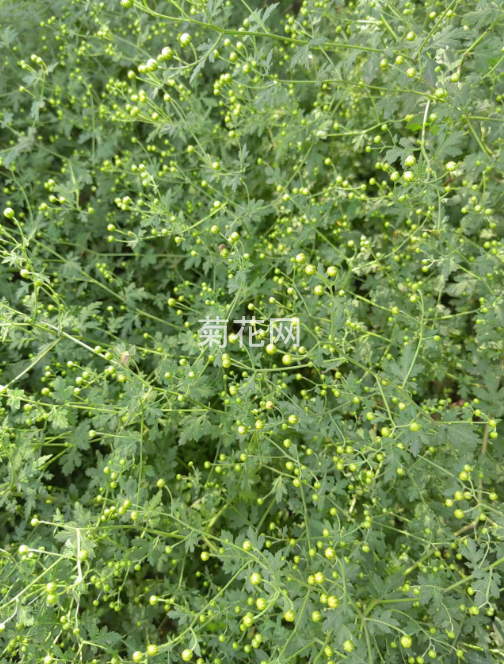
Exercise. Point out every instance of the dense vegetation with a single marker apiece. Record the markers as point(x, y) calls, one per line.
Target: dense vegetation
point(333, 499)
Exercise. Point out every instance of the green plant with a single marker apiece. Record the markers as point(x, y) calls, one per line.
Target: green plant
point(337, 499)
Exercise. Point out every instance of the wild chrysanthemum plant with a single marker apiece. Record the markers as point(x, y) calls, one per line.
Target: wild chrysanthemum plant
point(251, 316)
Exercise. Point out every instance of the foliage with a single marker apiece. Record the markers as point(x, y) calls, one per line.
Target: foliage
point(339, 163)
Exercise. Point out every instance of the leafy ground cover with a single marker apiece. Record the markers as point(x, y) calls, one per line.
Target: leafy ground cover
point(333, 498)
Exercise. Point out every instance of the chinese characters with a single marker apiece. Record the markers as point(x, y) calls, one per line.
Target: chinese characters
point(214, 332)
